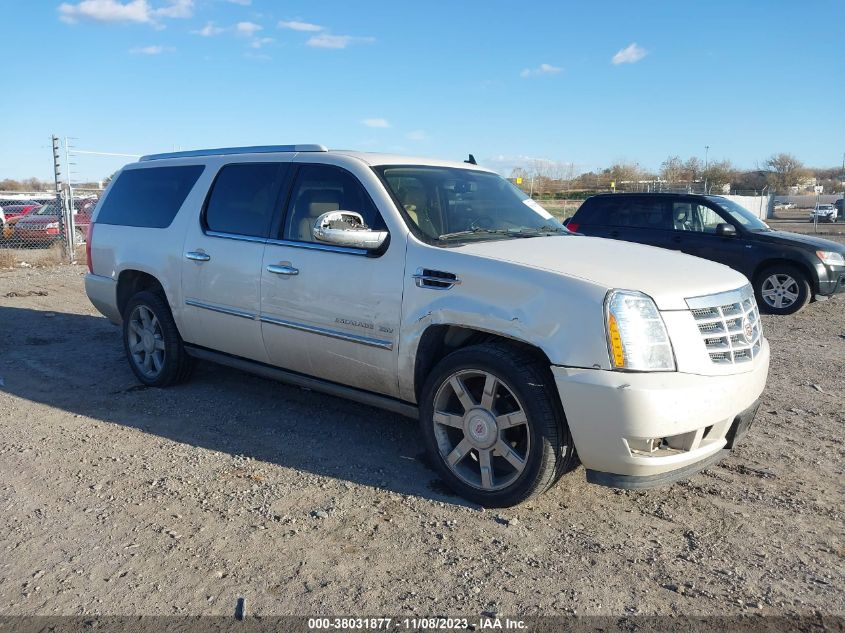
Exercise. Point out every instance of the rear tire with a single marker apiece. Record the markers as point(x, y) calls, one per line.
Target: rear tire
point(782, 289)
point(493, 425)
point(153, 346)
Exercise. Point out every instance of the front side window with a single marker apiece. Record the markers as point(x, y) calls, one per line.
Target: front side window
point(243, 199)
point(740, 214)
point(452, 204)
point(691, 216)
point(322, 188)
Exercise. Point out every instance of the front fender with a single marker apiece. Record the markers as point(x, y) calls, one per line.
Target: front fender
point(561, 316)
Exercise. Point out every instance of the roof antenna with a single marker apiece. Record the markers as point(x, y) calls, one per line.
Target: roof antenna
point(471, 160)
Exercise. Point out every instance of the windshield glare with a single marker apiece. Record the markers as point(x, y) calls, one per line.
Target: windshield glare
point(741, 215)
point(451, 204)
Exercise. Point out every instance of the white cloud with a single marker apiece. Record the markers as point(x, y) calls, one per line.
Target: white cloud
point(209, 30)
point(150, 50)
point(176, 9)
point(629, 55)
point(248, 29)
point(376, 123)
point(327, 40)
point(115, 11)
point(258, 42)
point(542, 69)
point(416, 135)
point(105, 11)
point(296, 25)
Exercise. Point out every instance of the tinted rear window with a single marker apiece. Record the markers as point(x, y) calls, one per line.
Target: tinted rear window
point(148, 197)
point(626, 211)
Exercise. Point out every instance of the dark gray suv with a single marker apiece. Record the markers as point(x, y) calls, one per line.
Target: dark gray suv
point(786, 269)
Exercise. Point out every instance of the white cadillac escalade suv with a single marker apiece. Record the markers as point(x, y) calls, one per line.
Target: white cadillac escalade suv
point(440, 291)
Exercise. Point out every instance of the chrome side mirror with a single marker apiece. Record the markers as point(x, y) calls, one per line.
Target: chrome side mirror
point(347, 228)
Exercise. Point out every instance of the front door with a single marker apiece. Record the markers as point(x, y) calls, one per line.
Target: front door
point(327, 311)
point(695, 234)
point(221, 269)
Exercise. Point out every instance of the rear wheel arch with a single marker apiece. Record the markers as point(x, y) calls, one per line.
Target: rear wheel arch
point(130, 282)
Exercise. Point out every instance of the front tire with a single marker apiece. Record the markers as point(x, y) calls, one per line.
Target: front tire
point(782, 289)
point(152, 342)
point(493, 425)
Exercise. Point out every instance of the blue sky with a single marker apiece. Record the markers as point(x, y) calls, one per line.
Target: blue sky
point(582, 82)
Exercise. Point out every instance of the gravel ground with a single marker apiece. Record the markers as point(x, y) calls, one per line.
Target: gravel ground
point(118, 499)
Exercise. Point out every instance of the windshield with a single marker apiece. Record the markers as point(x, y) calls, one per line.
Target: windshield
point(742, 215)
point(450, 204)
point(47, 209)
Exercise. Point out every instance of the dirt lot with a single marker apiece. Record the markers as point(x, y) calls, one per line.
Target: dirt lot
point(116, 499)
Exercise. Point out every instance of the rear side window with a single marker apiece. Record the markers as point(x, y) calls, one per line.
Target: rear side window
point(643, 213)
point(243, 199)
point(148, 197)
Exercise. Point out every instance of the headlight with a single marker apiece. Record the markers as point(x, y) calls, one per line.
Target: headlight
point(52, 225)
point(831, 258)
point(636, 335)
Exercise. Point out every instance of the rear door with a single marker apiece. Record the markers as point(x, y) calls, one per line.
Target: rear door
point(640, 219)
point(221, 269)
point(328, 311)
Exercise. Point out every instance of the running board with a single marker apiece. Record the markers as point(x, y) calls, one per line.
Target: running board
point(306, 382)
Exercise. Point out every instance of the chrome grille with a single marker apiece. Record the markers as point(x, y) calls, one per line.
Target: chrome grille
point(729, 324)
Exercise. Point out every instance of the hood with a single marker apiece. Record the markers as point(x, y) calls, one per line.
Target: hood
point(795, 239)
point(668, 277)
point(37, 220)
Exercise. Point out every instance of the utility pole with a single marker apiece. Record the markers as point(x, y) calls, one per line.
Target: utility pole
point(60, 207)
point(71, 222)
point(706, 164)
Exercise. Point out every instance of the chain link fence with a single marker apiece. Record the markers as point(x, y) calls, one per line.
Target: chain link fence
point(43, 227)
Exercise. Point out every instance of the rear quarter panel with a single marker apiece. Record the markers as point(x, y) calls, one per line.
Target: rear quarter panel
point(157, 252)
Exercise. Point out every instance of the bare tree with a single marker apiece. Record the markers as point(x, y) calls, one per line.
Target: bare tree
point(693, 169)
point(672, 169)
point(719, 173)
point(785, 171)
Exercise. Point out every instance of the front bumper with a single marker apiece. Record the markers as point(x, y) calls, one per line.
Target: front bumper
point(832, 281)
point(637, 430)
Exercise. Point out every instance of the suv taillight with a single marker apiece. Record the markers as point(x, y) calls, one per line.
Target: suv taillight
point(88, 234)
point(573, 226)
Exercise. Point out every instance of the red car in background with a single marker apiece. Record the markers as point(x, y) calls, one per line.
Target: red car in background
point(41, 227)
point(17, 209)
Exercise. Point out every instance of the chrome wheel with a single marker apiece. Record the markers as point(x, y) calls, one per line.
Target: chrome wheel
point(780, 290)
point(481, 430)
point(146, 342)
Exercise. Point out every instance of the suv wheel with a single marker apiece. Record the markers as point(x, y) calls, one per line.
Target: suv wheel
point(782, 289)
point(493, 425)
point(152, 342)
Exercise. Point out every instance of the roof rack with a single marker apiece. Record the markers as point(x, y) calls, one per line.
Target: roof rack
point(222, 151)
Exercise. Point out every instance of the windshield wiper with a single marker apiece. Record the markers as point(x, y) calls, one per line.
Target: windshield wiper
point(522, 232)
point(476, 231)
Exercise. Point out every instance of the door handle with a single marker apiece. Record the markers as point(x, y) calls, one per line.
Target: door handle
point(197, 256)
point(279, 269)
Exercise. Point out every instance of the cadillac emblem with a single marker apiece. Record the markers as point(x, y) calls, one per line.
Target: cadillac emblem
point(748, 330)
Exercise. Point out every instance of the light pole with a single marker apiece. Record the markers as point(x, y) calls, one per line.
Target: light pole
point(706, 156)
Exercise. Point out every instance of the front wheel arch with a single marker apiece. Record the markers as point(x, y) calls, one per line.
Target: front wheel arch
point(805, 268)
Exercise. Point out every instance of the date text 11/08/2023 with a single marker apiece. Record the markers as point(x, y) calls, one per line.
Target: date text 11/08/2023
point(416, 624)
